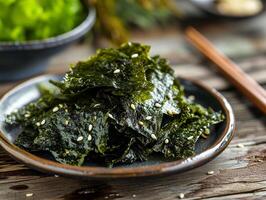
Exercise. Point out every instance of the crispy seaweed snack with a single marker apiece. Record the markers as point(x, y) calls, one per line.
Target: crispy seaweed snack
point(119, 106)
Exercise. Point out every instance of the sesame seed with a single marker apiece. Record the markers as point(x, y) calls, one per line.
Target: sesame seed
point(60, 105)
point(29, 194)
point(191, 97)
point(66, 151)
point(148, 118)
point(190, 137)
point(174, 112)
point(181, 196)
point(240, 145)
point(27, 115)
point(158, 105)
point(169, 112)
point(210, 172)
point(96, 105)
point(135, 55)
point(133, 106)
point(169, 96)
point(134, 196)
point(204, 136)
point(117, 71)
point(94, 117)
point(166, 141)
point(110, 115)
point(90, 127)
point(43, 122)
point(38, 124)
point(80, 138)
point(153, 137)
point(56, 176)
point(129, 43)
point(55, 109)
point(66, 122)
point(89, 137)
point(207, 131)
point(141, 123)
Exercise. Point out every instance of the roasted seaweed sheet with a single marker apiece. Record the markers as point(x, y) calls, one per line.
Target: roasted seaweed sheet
point(119, 106)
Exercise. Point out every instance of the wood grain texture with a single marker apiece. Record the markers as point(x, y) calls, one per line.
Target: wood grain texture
point(241, 80)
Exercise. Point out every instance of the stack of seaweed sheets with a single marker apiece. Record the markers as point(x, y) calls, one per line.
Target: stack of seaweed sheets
point(119, 106)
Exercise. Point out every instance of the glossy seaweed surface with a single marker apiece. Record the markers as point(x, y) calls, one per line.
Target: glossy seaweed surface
point(118, 107)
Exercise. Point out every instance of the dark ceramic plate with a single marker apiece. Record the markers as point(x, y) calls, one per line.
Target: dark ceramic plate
point(206, 149)
point(209, 6)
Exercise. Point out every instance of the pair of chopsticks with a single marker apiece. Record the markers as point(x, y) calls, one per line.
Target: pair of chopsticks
point(243, 82)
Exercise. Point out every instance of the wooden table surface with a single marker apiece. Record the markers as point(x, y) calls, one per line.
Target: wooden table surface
point(239, 172)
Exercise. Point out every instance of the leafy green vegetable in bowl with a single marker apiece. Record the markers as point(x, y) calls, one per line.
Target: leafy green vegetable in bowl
point(35, 20)
point(119, 106)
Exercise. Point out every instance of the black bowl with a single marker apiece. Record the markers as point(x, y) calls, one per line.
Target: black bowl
point(20, 60)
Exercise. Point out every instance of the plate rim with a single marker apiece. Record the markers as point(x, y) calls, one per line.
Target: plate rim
point(176, 166)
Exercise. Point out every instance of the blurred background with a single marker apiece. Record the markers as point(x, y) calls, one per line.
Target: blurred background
point(46, 36)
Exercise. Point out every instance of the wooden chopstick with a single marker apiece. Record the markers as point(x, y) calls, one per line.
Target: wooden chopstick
point(243, 82)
